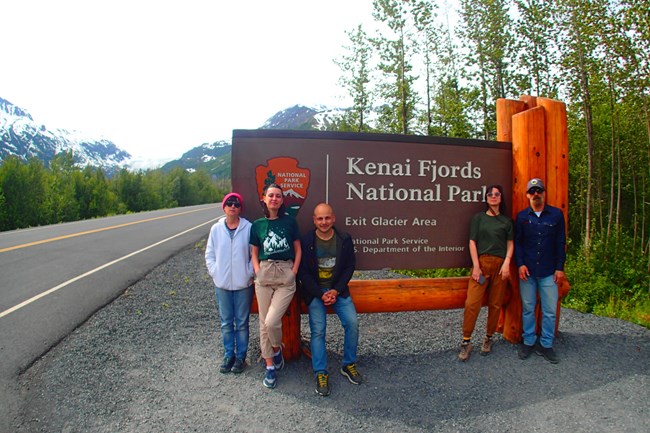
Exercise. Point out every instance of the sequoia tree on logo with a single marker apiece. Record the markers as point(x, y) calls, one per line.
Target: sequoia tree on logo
point(294, 181)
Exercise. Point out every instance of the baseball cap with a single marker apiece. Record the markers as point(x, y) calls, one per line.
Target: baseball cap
point(535, 183)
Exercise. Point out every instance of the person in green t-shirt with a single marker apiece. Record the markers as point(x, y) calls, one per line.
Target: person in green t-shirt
point(491, 247)
point(276, 255)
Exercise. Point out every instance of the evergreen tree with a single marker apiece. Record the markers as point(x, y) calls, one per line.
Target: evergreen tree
point(428, 39)
point(486, 29)
point(397, 112)
point(63, 203)
point(356, 68)
point(536, 48)
point(451, 107)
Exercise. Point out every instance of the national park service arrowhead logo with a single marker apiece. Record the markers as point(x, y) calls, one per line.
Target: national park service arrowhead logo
point(294, 181)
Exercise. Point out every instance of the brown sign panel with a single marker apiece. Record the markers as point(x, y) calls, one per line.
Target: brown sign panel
point(406, 200)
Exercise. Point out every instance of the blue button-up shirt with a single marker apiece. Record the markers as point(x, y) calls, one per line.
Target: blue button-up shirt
point(540, 241)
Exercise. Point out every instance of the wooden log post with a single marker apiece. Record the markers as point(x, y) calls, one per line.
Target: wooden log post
point(557, 174)
point(508, 323)
point(539, 136)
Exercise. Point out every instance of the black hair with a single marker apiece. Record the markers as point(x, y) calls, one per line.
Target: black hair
point(502, 204)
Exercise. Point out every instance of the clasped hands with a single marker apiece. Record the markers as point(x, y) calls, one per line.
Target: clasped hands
point(329, 297)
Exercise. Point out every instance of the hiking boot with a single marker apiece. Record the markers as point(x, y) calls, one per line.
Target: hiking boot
point(548, 353)
point(465, 350)
point(350, 371)
point(238, 366)
point(322, 384)
point(227, 365)
point(269, 380)
point(524, 351)
point(278, 360)
point(486, 348)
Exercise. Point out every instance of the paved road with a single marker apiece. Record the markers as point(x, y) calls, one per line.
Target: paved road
point(53, 278)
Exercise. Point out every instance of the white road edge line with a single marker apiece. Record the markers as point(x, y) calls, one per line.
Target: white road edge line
point(77, 278)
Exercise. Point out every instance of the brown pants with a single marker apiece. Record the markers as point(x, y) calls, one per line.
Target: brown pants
point(275, 285)
point(495, 285)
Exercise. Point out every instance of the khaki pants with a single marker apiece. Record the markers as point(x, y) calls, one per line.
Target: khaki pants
point(275, 285)
point(495, 285)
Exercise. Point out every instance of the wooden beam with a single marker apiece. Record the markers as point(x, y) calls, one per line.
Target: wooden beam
point(403, 294)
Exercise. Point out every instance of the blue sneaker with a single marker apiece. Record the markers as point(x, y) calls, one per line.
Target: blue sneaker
point(278, 360)
point(269, 380)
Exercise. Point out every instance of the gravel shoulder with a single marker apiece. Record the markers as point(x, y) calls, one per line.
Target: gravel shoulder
point(148, 362)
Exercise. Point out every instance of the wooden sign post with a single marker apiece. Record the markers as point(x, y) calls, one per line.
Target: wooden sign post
point(537, 128)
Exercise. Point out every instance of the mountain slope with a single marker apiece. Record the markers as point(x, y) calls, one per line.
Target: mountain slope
point(215, 158)
point(23, 137)
point(304, 118)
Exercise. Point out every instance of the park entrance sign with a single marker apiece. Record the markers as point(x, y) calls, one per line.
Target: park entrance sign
point(406, 200)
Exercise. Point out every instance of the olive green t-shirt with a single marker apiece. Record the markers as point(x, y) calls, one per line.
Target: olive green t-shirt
point(491, 233)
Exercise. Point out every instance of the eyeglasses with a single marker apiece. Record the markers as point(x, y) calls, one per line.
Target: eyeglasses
point(233, 203)
point(494, 194)
point(535, 190)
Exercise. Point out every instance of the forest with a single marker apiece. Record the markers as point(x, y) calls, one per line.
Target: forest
point(421, 69)
point(32, 194)
point(417, 68)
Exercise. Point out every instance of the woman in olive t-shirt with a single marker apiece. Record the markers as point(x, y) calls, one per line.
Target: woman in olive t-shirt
point(491, 246)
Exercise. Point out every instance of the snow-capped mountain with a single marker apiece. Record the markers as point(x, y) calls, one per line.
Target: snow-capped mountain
point(211, 157)
point(215, 157)
point(303, 117)
point(22, 136)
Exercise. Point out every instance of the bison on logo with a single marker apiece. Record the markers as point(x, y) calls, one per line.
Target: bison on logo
point(294, 181)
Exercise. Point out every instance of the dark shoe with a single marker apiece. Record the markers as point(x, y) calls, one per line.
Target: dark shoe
point(278, 360)
point(487, 346)
point(322, 384)
point(238, 366)
point(525, 351)
point(227, 365)
point(465, 351)
point(350, 371)
point(548, 354)
point(269, 380)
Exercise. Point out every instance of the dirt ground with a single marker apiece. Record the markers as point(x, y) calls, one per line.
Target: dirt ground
point(148, 362)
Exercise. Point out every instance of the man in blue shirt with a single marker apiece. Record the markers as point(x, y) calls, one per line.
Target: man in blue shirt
point(540, 241)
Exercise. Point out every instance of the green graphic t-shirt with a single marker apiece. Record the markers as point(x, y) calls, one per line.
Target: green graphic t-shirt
point(275, 237)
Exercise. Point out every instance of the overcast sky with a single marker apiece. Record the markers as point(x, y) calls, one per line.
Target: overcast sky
point(161, 77)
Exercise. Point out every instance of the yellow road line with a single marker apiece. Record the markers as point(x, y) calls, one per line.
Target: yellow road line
point(74, 235)
point(78, 277)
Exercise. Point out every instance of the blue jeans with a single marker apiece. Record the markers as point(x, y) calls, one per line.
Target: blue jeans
point(234, 311)
point(548, 296)
point(344, 308)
